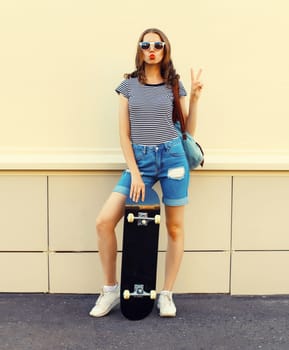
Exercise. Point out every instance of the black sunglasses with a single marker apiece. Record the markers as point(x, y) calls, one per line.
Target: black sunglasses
point(158, 45)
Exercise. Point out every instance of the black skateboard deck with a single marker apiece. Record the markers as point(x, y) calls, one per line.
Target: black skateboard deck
point(139, 256)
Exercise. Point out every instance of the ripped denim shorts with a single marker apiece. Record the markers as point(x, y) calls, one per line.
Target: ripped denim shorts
point(166, 163)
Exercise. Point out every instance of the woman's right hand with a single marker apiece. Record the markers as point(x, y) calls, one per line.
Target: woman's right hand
point(137, 188)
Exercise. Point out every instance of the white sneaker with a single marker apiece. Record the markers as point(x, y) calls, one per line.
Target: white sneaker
point(105, 303)
point(166, 304)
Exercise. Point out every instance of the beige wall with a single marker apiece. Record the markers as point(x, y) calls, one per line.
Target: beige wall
point(62, 59)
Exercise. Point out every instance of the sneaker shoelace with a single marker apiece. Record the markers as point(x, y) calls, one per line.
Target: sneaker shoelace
point(168, 298)
point(100, 298)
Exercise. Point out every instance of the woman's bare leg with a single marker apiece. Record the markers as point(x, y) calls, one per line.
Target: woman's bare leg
point(110, 214)
point(175, 248)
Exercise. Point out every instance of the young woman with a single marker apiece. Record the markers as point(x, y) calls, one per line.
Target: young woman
point(153, 152)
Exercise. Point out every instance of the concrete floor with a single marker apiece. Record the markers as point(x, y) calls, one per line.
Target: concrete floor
point(203, 322)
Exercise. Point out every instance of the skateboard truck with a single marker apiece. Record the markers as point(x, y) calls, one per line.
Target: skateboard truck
point(139, 292)
point(143, 218)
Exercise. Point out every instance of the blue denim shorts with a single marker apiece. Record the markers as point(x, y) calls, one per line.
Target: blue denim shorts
point(166, 163)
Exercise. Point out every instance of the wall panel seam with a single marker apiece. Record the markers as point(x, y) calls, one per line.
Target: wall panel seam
point(48, 233)
point(231, 234)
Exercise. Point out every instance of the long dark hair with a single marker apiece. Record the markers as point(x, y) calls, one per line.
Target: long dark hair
point(168, 71)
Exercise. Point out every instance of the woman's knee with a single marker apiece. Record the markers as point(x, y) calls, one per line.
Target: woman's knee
point(175, 222)
point(175, 231)
point(110, 214)
point(104, 225)
point(100, 224)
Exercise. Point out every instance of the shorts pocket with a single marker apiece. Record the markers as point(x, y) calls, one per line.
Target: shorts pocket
point(176, 150)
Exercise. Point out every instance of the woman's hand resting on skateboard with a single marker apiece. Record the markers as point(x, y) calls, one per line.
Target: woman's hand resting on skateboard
point(137, 188)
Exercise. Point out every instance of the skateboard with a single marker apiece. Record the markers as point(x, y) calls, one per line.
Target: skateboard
point(139, 256)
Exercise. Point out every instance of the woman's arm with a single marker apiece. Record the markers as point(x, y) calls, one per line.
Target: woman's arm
point(196, 87)
point(137, 185)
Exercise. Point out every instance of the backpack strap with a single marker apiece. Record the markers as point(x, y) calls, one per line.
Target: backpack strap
point(177, 110)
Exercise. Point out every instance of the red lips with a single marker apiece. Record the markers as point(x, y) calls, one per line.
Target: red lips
point(152, 56)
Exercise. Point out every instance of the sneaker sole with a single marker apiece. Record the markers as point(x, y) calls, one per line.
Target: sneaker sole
point(167, 315)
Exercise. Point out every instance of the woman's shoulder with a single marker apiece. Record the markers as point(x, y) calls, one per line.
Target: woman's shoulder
point(126, 85)
point(129, 81)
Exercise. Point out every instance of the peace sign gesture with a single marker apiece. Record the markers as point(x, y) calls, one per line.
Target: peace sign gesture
point(196, 85)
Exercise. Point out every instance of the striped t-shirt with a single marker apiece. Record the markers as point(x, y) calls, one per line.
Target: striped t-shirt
point(150, 111)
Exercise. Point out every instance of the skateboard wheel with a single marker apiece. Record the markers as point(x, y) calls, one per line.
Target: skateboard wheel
point(126, 294)
point(157, 219)
point(153, 294)
point(130, 217)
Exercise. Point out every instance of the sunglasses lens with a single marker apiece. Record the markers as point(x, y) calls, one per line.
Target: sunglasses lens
point(159, 45)
point(145, 45)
